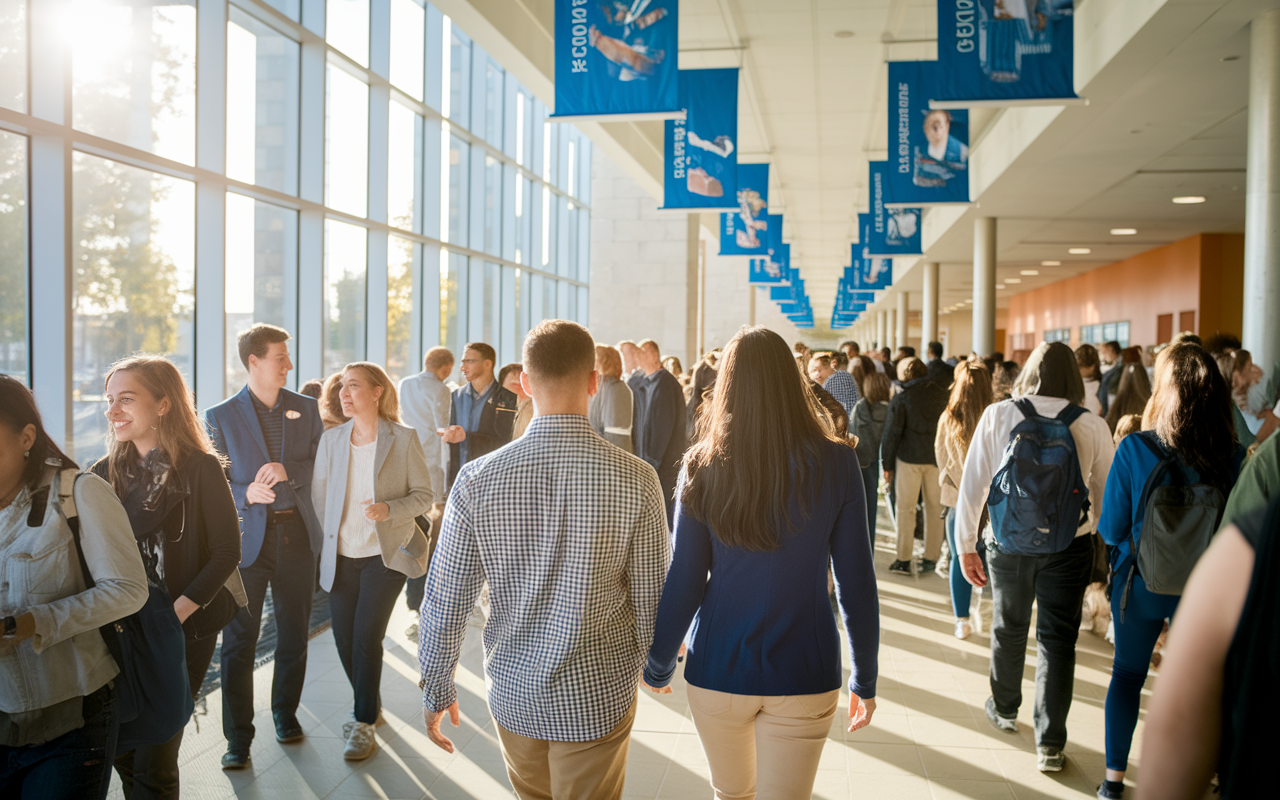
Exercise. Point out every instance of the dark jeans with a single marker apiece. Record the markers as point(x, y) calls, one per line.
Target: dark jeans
point(363, 596)
point(961, 590)
point(1136, 638)
point(74, 766)
point(1056, 585)
point(152, 770)
point(870, 483)
point(414, 590)
point(288, 565)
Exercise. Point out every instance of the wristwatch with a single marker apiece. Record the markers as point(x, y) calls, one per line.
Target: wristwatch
point(10, 626)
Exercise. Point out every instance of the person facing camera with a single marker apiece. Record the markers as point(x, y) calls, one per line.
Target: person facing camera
point(370, 485)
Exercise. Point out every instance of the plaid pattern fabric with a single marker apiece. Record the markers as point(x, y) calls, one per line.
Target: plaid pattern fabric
point(844, 389)
point(570, 532)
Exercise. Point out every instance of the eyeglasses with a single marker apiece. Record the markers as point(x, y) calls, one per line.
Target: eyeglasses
point(473, 360)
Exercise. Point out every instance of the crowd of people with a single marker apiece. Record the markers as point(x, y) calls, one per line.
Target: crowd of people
point(615, 517)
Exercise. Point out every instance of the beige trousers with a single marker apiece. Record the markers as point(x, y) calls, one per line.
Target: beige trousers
point(544, 770)
point(765, 747)
point(909, 480)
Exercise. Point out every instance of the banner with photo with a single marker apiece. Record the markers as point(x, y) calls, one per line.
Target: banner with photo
point(893, 231)
point(700, 154)
point(1005, 52)
point(873, 273)
point(616, 59)
point(744, 232)
point(928, 148)
point(764, 271)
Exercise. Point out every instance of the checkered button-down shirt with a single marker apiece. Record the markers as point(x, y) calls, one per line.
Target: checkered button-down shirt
point(571, 534)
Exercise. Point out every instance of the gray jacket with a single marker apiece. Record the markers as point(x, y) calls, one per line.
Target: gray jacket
point(401, 480)
point(611, 412)
point(424, 404)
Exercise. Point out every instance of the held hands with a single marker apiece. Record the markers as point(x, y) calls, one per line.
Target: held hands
point(454, 434)
point(271, 474)
point(376, 512)
point(259, 493)
point(860, 711)
point(971, 564)
point(432, 718)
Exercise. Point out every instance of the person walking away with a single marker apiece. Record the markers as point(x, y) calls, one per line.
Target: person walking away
point(660, 433)
point(767, 499)
point(867, 425)
point(970, 396)
point(424, 406)
point(1025, 564)
point(610, 409)
point(509, 379)
point(701, 384)
point(1189, 442)
point(370, 485)
point(906, 453)
point(837, 382)
point(164, 469)
point(269, 435)
point(939, 370)
point(1132, 396)
point(570, 533)
point(1111, 367)
point(483, 414)
point(1091, 374)
point(57, 723)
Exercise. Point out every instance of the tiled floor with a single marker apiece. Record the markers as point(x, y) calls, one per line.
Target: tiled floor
point(929, 737)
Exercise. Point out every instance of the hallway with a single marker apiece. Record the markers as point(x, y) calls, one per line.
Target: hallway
point(929, 739)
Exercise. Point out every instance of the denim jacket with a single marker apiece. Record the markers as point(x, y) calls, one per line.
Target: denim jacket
point(40, 573)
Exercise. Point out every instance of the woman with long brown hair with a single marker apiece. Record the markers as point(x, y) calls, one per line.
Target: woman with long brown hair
point(1132, 395)
point(330, 403)
point(970, 395)
point(1189, 418)
point(166, 472)
point(768, 497)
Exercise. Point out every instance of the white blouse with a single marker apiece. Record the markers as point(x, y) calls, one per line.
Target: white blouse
point(357, 534)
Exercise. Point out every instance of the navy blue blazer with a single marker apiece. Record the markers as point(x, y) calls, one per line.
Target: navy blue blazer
point(233, 425)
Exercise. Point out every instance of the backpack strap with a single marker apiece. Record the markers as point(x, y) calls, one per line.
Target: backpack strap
point(66, 481)
point(1026, 407)
point(1070, 414)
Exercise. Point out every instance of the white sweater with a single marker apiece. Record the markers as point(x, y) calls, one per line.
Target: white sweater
point(1093, 445)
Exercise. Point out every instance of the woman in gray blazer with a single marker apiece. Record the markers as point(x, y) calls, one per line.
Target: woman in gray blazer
point(610, 412)
point(370, 485)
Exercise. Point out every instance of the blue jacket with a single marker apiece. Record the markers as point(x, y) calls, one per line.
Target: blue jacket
point(236, 433)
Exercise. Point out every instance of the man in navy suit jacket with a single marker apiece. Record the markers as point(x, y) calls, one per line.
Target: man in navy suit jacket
point(270, 436)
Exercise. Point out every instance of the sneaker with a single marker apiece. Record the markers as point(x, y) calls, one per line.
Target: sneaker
point(1005, 724)
point(963, 629)
point(1050, 759)
point(1106, 793)
point(360, 740)
point(928, 566)
point(900, 567)
point(235, 759)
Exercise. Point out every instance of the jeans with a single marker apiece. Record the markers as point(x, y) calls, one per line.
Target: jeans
point(1136, 638)
point(364, 595)
point(961, 590)
point(292, 586)
point(914, 480)
point(152, 770)
point(1056, 584)
point(74, 766)
point(870, 483)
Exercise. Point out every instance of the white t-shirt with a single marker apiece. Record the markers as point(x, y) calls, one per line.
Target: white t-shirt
point(357, 534)
point(1091, 401)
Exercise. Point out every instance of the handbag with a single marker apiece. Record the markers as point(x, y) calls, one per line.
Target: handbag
point(153, 693)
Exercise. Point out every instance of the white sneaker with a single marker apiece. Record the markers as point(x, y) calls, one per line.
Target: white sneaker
point(360, 740)
point(963, 629)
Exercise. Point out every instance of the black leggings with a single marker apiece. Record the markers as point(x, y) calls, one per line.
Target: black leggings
point(363, 596)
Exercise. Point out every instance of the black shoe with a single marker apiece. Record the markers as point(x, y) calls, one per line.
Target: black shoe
point(235, 759)
point(900, 567)
point(928, 566)
point(1105, 792)
point(288, 730)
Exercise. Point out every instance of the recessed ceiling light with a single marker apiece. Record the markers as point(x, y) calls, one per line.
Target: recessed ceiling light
point(1188, 200)
point(1013, 280)
point(1124, 231)
point(1036, 271)
point(1079, 251)
point(999, 285)
point(843, 34)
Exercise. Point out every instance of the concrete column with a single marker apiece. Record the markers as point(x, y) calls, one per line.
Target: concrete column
point(891, 329)
point(1262, 198)
point(900, 332)
point(984, 285)
point(929, 313)
point(882, 337)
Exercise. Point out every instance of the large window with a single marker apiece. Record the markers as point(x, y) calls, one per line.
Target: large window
point(459, 190)
point(345, 298)
point(13, 254)
point(13, 54)
point(262, 104)
point(347, 28)
point(261, 273)
point(407, 46)
point(347, 143)
point(404, 176)
point(402, 259)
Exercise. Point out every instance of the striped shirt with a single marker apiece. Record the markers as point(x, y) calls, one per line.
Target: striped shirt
point(271, 420)
point(570, 532)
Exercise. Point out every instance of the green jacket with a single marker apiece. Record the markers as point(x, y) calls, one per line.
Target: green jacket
point(1259, 481)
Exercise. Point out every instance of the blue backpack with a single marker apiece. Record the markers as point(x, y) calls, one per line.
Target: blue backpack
point(1038, 497)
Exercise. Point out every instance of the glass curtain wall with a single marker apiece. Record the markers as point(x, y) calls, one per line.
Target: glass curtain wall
point(253, 166)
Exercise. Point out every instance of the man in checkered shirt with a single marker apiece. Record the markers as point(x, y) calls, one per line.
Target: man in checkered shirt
point(571, 534)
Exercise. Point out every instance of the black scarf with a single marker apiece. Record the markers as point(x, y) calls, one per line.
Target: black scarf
point(152, 490)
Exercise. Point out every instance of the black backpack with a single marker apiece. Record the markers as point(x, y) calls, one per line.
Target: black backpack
point(1179, 521)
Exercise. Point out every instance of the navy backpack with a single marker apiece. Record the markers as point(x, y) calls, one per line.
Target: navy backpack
point(1038, 497)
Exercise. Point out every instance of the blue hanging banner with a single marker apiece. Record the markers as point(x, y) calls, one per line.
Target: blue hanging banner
point(928, 148)
point(873, 273)
point(701, 155)
point(893, 231)
point(787, 294)
point(616, 60)
point(764, 271)
point(1005, 52)
point(745, 232)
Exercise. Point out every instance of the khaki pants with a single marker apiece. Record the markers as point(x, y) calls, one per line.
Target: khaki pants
point(910, 479)
point(766, 747)
point(544, 770)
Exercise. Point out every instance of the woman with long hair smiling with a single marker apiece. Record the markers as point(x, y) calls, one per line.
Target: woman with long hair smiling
point(768, 497)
